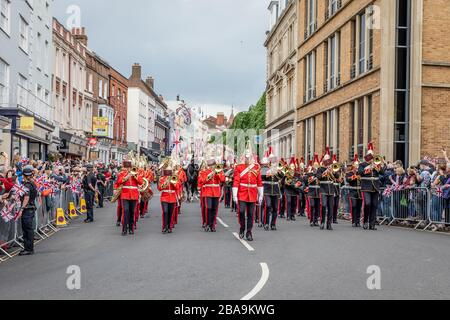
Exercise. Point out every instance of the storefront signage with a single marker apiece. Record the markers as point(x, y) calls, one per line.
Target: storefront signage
point(100, 126)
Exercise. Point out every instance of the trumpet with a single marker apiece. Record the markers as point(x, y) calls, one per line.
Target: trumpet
point(378, 160)
point(219, 168)
point(174, 179)
point(336, 167)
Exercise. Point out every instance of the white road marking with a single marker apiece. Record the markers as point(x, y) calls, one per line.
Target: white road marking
point(222, 223)
point(262, 282)
point(245, 243)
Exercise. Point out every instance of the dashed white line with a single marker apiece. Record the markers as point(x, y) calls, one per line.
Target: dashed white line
point(222, 223)
point(245, 243)
point(262, 282)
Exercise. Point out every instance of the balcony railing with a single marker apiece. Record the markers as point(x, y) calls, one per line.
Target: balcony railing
point(33, 104)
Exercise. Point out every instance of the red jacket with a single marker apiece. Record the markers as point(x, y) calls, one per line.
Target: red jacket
point(7, 184)
point(130, 189)
point(169, 194)
point(211, 188)
point(248, 183)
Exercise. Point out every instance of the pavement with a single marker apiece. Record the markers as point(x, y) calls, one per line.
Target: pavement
point(296, 262)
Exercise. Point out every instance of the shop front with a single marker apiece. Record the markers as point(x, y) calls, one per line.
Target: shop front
point(27, 136)
point(72, 146)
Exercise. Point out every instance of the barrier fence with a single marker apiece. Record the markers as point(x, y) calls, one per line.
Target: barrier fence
point(420, 207)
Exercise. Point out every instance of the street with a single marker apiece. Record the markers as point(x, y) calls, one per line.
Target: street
point(295, 262)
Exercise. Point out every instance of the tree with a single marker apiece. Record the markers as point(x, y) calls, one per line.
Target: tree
point(254, 118)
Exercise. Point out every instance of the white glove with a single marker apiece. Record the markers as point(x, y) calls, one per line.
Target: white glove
point(235, 195)
point(260, 195)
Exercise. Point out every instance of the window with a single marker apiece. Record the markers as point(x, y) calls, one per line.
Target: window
point(90, 83)
point(311, 13)
point(22, 89)
point(333, 68)
point(362, 43)
point(39, 55)
point(100, 88)
point(361, 125)
point(4, 82)
point(332, 130)
point(290, 92)
point(310, 76)
point(402, 81)
point(5, 13)
point(308, 138)
point(23, 38)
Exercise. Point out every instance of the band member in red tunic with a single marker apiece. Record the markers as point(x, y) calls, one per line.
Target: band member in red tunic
point(200, 183)
point(211, 180)
point(248, 190)
point(168, 185)
point(129, 180)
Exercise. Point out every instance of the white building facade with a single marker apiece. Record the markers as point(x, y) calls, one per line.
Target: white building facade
point(281, 92)
point(25, 77)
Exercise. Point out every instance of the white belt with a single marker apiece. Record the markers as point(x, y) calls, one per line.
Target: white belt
point(168, 191)
point(130, 188)
point(211, 185)
point(249, 185)
point(369, 178)
point(326, 182)
point(271, 183)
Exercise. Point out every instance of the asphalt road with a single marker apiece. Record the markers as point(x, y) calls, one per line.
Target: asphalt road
point(295, 262)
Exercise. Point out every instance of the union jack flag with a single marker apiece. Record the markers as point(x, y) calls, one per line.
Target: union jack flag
point(20, 190)
point(439, 192)
point(387, 192)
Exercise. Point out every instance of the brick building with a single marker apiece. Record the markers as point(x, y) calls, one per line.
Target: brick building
point(373, 71)
point(118, 100)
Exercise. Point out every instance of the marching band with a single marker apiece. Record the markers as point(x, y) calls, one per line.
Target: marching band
point(258, 191)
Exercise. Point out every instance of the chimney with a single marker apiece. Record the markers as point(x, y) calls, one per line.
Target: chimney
point(136, 71)
point(80, 35)
point(150, 82)
point(178, 98)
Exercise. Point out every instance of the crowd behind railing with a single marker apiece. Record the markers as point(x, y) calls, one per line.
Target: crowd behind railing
point(417, 196)
point(59, 185)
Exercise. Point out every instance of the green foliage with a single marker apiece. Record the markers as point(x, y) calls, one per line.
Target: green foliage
point(254, 118)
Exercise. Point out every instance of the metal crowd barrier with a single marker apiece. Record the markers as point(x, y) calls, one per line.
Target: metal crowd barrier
point(410, 205)
point(439, 211)
point(109, 191)
point(44, 224)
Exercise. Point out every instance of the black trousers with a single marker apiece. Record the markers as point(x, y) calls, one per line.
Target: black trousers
point(327, 208)
point(302, 203)
point(228, 197)
point(314, 207)
point(101, 196)
point(246, 210)
point(27, 229)
point(271, 207)
point(371, 200)
point(212, 205)
point(128, 207)
point(90, 197)
point(283, 205)
point(356, 206)
point(335, 208)
point(291, 205)
point(233, 206)
point(168, 212)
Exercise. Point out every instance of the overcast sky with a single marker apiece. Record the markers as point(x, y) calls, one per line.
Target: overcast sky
point(211, 52)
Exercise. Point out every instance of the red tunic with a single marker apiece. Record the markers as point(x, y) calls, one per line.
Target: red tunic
point(248, 183)
point(168, 194)
point(211, 188)
point(130, 189)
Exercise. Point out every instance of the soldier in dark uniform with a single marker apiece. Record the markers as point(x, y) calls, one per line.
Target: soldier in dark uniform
point(326, 178)
point(338, 182)
point(89, 183)
point(355, 197)
point(301, 207)
point(371, 174)
point(291, 187)
point(28, 210)
point(312, 192)
point(228, 193)
point(283, 196)
point(272, 180)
